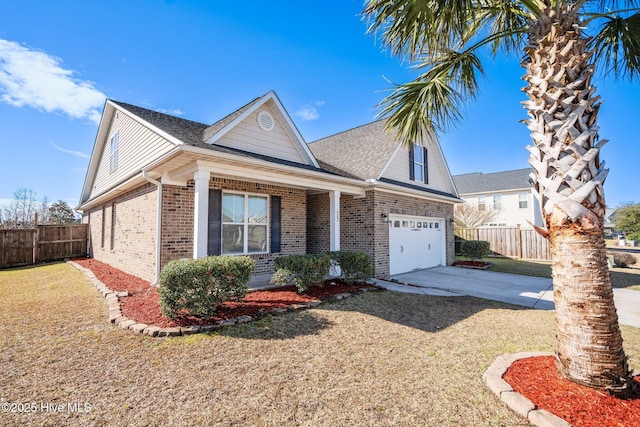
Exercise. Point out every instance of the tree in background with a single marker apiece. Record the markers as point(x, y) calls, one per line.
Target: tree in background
point(561, 43)
point(22, 210)
point(61, 213)
point(468, 215)
point(627, 218)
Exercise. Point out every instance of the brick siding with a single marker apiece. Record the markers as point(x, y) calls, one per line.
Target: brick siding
point(129, 242)
point(318, 223)
point(177, 213)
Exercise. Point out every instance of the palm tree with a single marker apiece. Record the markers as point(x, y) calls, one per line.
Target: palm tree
point(563, 42)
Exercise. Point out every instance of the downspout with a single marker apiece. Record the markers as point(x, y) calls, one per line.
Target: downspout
point(158, 184)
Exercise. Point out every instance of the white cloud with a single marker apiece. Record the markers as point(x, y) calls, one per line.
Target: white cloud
point(72, 152)
point(308, 112)
point(32, 78)
point(173, 111)
point(319, 103)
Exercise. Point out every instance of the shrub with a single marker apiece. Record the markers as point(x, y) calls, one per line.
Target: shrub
point(355, 266)
point(475, 249)
point(198, 286)
point(634, 236)
point(305, 270)
point(622, 260)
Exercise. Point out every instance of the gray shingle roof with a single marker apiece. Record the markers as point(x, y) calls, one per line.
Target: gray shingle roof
point(187, 131)
point(194, 133)
point(479, 182)
point(363, 151)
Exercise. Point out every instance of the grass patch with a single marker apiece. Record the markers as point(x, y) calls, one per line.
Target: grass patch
point(380, 358)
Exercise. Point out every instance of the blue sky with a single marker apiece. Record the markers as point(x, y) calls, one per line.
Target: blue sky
point(201, 60)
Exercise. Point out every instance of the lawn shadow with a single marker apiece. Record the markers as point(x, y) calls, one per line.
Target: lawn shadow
point(425, 312)
point(30, 266)
point(279, 327)
point(625, 278)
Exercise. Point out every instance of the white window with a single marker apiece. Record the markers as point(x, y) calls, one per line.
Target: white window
point(481, 203)
point(523, 200)
point(418, 163)
point(497, 202)
point(113, 153)
point(244, 223)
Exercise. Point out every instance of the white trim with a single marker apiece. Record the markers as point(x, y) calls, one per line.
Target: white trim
point(200, 213)
point(245, 224)
point(334, 220)
point(389, 161)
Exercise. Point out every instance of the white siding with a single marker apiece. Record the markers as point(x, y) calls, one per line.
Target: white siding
point(248, 136)
point(439, 179)
point(511, 214)
point(137, 146)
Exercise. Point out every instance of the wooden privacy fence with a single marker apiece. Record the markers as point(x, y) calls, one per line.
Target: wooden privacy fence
point(511, 242)
point(43, 243)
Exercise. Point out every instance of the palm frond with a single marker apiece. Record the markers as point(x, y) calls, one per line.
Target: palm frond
point(617, 46)
point(504, 17)
point(414, 28)
point(433, 101)
point(401, 25)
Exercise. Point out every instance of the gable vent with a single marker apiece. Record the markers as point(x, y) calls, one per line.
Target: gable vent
point(265, 121)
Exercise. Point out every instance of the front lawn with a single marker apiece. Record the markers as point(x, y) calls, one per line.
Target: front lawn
point(380, 358)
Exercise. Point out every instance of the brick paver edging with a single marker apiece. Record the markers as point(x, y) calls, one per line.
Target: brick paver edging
point(517, 402)
point(116, 317)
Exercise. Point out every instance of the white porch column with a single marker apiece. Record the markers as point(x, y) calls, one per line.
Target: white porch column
point(201, 213)
point(334, 211)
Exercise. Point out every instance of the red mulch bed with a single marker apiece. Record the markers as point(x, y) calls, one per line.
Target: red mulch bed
point(143, 302)
point(472, 264)
point(538, 379)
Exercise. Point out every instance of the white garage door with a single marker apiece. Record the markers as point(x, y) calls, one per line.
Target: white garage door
point(415, 243)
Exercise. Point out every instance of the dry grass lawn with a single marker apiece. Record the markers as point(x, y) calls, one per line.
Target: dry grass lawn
point(378, 359)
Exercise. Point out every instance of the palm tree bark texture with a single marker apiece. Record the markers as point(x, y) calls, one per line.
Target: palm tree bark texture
point(568, 177)
point(443, 39)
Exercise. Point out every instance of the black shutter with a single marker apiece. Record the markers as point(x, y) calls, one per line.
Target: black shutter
point(214, 245)
point(412, 173)
point(426, 166)
point(275, 223)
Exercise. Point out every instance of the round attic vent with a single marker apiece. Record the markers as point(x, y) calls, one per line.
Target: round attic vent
point(265, 121)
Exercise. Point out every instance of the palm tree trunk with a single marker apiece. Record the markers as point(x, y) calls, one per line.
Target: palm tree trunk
point(568, 178)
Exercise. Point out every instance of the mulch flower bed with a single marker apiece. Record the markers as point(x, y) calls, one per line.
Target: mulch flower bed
point(143, 303)
point(538, 379)
point(481, 265)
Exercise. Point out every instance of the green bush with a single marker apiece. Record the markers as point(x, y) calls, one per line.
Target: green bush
point(305, 270)
point(198, 286)
point(623, 260)
point(634, 236)
point(355, 266)
point(475, 249)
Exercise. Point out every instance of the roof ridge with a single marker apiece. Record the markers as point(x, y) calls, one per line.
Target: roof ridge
point(126, 104)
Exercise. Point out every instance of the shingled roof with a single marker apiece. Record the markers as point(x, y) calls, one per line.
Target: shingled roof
point(364, 151)
point(478, 182)
point(194, 133)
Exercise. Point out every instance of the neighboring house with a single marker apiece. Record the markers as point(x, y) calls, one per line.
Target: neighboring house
point(610, 220)
point(161, 188)
point(509, 193)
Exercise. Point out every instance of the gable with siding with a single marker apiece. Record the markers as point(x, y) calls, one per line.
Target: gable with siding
point(137, 146)
point(248, 136)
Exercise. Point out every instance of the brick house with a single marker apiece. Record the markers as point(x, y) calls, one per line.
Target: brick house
point(161, 188)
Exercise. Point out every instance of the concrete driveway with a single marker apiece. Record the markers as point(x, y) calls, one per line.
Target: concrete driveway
point(532, 292)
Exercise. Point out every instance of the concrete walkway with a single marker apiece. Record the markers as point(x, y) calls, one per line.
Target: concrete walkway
point(527, 291)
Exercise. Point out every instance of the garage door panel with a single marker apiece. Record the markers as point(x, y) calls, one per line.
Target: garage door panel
point(415, 243)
